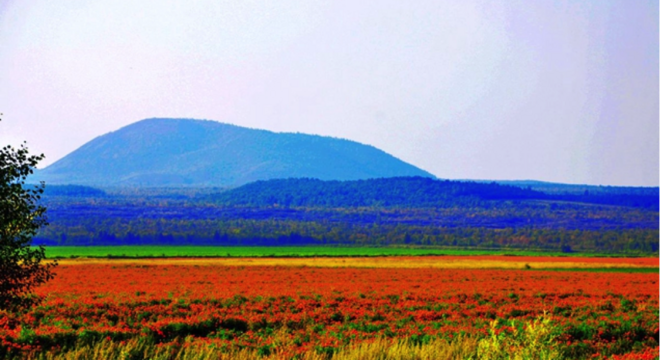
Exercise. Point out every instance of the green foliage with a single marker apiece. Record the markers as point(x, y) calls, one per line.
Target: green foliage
point(21, 268)
point(536, 341)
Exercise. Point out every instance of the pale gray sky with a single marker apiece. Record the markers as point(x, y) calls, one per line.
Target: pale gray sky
point(551, 90)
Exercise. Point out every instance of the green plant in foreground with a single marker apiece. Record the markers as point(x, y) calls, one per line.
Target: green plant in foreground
point(536, 341)
point(21, 215)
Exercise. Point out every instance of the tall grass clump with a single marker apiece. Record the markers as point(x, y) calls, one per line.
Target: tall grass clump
point(536, 341)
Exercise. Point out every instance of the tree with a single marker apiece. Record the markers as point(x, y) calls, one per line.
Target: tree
point(21, 266)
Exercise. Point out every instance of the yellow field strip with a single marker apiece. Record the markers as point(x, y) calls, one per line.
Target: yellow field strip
point(355, 262)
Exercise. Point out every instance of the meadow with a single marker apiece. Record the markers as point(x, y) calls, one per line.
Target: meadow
point(408, 307)
point(149, 251)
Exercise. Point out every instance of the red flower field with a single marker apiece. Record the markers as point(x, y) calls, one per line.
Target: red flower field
point(324, 309)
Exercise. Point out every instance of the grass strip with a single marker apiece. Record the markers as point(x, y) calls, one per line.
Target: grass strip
point(153, 251)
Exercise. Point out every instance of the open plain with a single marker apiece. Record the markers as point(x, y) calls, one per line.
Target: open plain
point(342, 308)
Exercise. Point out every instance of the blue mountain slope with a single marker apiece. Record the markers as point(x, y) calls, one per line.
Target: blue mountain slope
point(184, 152)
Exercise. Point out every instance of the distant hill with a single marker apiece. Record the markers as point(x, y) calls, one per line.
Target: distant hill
point(184, 152)
point(414, 192)
point(410, 192)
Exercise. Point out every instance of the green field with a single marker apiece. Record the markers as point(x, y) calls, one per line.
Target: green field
point(55, 252)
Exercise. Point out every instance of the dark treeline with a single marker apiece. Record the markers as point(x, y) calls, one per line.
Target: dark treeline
point(417, 192)
point(75, 191)
point(278, 233)
point(497, 215)
point(385, 192)
point(378, 212)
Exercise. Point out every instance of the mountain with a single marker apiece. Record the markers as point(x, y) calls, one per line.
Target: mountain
point(186, 152)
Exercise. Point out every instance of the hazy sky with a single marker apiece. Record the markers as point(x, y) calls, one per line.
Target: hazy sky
point(549, 90)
